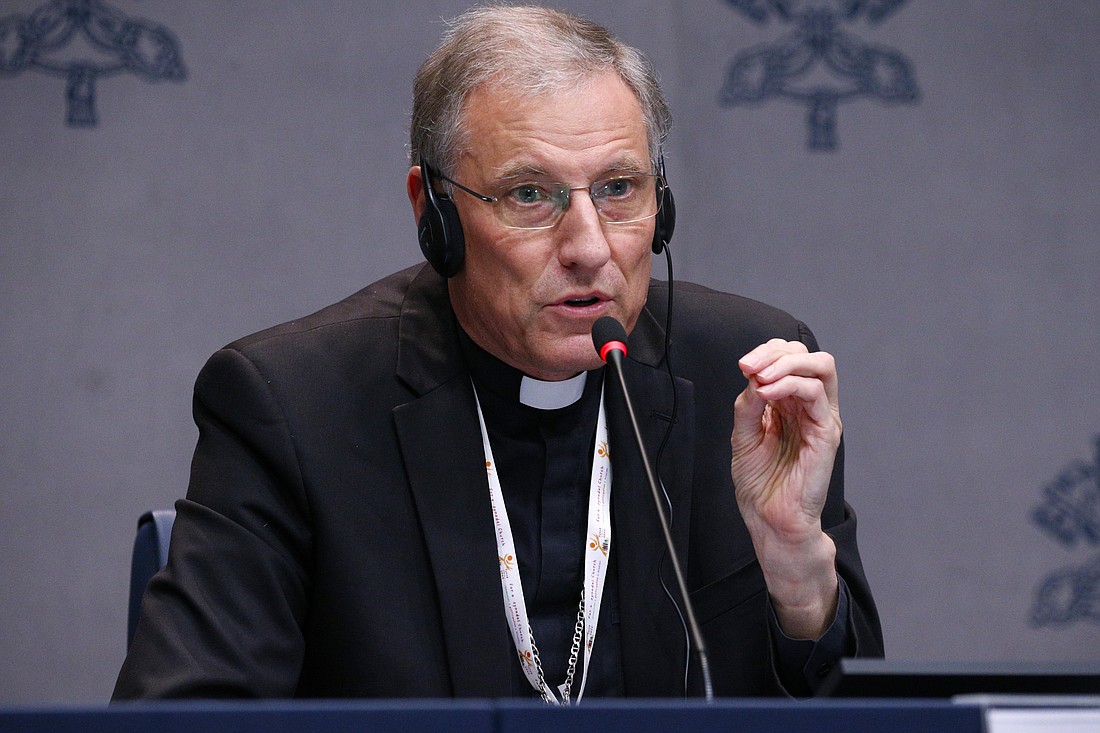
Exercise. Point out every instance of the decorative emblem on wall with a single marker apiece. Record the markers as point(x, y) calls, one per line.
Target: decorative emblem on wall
point(84, 41)
point(1070, 514)
point(817, 64)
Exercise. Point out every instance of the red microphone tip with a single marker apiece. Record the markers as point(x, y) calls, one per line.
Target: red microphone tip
point(608, 335)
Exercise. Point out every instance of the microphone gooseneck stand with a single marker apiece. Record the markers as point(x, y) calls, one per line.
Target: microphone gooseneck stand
point(609, 338)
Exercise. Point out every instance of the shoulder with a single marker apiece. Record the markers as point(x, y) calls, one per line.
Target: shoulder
point(353, 341)
point(711, 322)
point(366, 309)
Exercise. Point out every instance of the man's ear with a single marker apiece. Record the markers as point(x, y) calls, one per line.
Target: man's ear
point(414, 186)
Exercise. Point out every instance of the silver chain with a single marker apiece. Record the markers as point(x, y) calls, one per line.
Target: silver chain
point(574, 654)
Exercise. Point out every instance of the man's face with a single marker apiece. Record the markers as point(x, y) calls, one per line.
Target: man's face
point(530, 297)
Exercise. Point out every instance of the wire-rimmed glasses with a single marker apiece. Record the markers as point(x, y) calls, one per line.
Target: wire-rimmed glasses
point(622, 198)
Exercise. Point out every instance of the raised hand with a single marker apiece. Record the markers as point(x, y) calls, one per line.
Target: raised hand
point(786, 433)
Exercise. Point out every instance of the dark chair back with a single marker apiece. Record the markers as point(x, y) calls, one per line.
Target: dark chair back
point(150, 555)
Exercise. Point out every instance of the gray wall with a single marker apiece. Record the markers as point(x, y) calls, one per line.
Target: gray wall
point(945, 252)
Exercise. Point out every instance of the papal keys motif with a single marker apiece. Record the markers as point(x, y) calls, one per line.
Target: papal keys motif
point(817, 64)
point(1069, 513)
point(84, 41)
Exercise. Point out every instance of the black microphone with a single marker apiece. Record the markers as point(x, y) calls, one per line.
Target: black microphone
point(609, 338)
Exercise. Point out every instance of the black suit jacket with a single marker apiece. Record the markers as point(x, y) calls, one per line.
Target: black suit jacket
point(337, 541)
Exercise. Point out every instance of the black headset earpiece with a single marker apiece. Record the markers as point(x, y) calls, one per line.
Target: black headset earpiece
point(666, 215)
point(666, 221)
point(440, 229)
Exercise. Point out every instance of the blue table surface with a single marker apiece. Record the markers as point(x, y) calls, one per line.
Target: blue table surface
point(499, 716)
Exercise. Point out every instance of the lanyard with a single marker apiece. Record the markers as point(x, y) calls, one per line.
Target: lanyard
point(596, 554)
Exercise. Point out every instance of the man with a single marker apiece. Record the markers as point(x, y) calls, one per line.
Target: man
point(356, 469)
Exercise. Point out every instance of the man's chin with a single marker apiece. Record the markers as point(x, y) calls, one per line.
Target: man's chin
point(566, 364)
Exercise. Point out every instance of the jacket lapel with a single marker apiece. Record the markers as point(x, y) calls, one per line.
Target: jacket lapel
point(441, 446)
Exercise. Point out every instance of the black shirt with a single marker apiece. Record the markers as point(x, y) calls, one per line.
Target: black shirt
point(544, 461)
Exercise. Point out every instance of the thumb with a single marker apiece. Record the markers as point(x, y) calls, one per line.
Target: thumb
point(748, 414)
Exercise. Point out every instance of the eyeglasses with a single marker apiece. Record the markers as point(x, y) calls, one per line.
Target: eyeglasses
point(620, 199)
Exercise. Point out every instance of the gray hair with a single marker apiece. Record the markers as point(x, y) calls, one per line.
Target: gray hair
point(527, 50)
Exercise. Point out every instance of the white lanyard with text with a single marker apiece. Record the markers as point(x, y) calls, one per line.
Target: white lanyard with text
point(596, 554)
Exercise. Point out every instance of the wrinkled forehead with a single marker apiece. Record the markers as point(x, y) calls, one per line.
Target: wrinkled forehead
point(515, 131)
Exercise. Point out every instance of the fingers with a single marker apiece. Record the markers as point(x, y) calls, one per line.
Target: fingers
point(769, 365)
point(790, 398)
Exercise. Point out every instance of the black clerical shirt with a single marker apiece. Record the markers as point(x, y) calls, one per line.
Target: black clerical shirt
point(544, 461)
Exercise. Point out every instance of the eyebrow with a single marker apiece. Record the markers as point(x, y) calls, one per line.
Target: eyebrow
point(520, 172)
point(528, 171)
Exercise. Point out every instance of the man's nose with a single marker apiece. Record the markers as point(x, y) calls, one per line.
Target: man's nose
point(580, 232)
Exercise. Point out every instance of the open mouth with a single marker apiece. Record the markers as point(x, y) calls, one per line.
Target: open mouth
point(582, 302)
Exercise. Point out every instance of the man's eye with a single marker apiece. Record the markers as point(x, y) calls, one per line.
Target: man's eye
point(616, 188)
point(528, 194)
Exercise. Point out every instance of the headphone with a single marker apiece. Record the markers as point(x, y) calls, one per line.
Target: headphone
point(440, 230)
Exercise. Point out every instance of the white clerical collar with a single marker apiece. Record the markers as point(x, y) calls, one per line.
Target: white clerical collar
point(551, 395)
